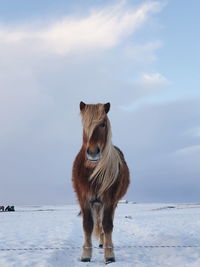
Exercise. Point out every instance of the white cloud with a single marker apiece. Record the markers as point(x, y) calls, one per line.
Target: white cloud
point(154, 79)
point(103, 28)
point(150, 87)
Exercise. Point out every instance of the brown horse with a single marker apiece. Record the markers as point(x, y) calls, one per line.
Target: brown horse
point(100, 178)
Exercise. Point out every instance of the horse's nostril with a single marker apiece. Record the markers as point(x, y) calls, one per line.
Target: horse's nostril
point(94, 152)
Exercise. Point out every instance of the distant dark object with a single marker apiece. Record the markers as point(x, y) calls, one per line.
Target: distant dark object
point(7, 208)
point(10, 208)
point(2, 208)
point(128, 216)
point(123, 201)
point(79, 214)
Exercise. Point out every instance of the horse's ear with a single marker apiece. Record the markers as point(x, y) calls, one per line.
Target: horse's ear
point(82, 105)
point(107, 107)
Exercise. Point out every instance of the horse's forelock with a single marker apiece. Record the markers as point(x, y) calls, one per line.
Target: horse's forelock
point(91, 117)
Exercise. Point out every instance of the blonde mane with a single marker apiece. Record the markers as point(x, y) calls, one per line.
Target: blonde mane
point(107, 169)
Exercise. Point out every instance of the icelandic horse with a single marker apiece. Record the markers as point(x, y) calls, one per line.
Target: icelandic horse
point(100, 179)
point(2, 208)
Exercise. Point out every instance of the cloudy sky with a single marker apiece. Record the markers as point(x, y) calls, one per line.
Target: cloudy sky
point(142, 56)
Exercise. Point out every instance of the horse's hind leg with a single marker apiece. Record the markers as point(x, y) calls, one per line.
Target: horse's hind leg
point(87, 227)
point(108, 227)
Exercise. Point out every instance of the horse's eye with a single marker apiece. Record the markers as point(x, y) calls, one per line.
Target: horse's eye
point(103, 125)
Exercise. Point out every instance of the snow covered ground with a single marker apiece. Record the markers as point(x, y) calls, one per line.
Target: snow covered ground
point(147, 235)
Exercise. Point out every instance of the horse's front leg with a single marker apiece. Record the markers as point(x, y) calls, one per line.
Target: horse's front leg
point(107, 224)
point(87, 227)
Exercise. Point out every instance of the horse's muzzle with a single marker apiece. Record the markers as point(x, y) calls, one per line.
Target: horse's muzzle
point(93, 155)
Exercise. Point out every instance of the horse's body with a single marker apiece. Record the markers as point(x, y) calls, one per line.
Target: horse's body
point(100, 179)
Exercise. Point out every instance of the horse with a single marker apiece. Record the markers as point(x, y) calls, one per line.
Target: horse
point(100, 178)
point(2, 208)
point(10, 208)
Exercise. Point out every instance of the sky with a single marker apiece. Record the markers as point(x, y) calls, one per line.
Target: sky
point(141, 56)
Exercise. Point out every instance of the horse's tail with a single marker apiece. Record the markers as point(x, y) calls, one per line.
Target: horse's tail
point(97, 218)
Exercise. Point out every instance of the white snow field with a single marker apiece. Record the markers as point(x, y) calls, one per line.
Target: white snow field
point(144, 235)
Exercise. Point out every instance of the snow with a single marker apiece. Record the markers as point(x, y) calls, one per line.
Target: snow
point(54, 233)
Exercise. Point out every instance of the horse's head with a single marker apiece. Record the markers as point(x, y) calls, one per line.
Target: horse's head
point(96, 129)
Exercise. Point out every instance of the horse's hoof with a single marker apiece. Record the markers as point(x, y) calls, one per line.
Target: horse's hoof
point(110, 260)
point(100, 246)
point(85, 259)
